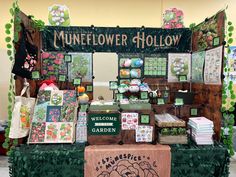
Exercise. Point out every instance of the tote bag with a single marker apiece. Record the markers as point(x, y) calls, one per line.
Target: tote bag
point(22, 114)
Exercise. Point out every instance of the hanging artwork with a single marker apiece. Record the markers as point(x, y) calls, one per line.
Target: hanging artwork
point(213, 64)
point(178, 65)
point(81, 66)
point(144, 133)
point(53, 65)
point(232, 64)
point(58, 15)
point(129, 121)
point(54, 116)
point(198, 59)
point(173, 18)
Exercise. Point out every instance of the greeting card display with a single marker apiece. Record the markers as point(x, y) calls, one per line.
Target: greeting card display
point(54, 117)
point(129, 121)
point(155, 66)
point(213, 63)
point(144, 133)
point(197, 66)
point(178, 64)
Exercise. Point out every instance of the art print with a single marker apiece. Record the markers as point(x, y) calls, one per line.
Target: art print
point(37, 132)
point(56, 98)
point(81, 67)
point(67, 113)
point(69, 97)
point(129, 121)
point(213, 63)
point(144, 133)
point(178, 64)
point(51, 132)
point(198, 59)
point(53, 65)
point(53, 113)
point(43, 97)
point(65, 132)
point(40, 112)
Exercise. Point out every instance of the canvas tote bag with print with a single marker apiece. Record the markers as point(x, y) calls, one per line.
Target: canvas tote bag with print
point(22, 114)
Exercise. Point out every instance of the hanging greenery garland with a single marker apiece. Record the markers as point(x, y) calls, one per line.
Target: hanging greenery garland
point(228, 95)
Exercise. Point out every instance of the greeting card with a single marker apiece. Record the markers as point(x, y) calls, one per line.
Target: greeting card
point(37, 132)
point(68, 113)
point(144, 133)
point(69, 97)
point(51, 132)
point(56, 98)
point(43, 97)
point(53, 113)
point(129, 121)
point(65, 132)
point(40, 112)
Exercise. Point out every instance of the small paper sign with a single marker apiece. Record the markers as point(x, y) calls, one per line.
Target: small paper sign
point(35, 75)
point(160, 101)
point(144, 119)
point(68, 58)
point(179, 102)
point(62, 78)
point(216, 41)
point(89, 88)
point(193, 111)
point(77, 81)
point(183, 78)
point(143, 95)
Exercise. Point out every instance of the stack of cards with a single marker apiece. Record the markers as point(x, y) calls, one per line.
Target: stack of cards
point(81, 130)
point(202, 130)
point(54, 117)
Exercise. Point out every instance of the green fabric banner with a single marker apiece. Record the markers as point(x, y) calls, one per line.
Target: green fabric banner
point(116, 39)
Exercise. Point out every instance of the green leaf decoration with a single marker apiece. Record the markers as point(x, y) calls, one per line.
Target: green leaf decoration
point(8, 31)
point(9, 52)
point(230, 40)
point(231, 28)
point(8, 26)
point(230, 34)
point(8, 39)
point(229, 23)
point(231, 109)
point(9, 46)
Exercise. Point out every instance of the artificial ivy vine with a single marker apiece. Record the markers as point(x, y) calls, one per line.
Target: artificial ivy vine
point(12, 29)
point(228, 95)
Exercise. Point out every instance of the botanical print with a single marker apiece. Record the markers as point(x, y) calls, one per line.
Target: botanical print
point(40, 112)
point(37, 132)
point(81, 67)
point(51, 132)
point(53, 65)
point(56, 98)
point(129, 121)
point(69, 97)
point(43, 96)
point(144, 133)
point(24, 116)
point(53, 113)
point(65, 132)
point(67, 113)
point(178, 64)
point(198, 59)
point(213, 62)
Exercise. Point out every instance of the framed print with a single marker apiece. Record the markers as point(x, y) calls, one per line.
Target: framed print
point(143, 95)
point(160, 101)
point(67, 58)
point(113, 85)
point(179, 102)
point(62, 78)
point(182, 78)
point(89, 88)
point(119, 96)
point(144, 118)
point(35, 75)
point(193, 112)
point(198, 59)
point(77, 81)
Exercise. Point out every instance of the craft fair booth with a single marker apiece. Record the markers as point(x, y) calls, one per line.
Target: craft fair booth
point(145, 130)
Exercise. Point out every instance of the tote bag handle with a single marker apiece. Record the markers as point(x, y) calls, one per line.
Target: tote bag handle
point(26, 89)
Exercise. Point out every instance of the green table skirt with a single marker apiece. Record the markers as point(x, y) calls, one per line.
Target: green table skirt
point(68, 161)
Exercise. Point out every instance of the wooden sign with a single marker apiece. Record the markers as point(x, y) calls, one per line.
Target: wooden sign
point(127, 161)
point(103, 124)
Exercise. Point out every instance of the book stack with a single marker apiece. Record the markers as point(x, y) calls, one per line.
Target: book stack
point(202, 130)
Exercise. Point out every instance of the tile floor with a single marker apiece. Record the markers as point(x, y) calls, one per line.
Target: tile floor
point(4, 167)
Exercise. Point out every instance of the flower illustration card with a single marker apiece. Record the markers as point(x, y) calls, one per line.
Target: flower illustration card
point(68, 113)
point(69, 97)
point(66, 132)
point(144, 133)
point(37, 132)
point(56, 98)
point(129, 121)
point(213, 64)
point(198, 59)
point(40, 112)
point(53, 113)
point(43, 96)
point(81, 67)
point(178, 64)
point(52, 130)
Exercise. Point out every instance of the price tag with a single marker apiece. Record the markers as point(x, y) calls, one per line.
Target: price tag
point(144, 119)
point(160, 101)
point(77, 81)
point(179, 102)
point(62, 78)
point(35, 75)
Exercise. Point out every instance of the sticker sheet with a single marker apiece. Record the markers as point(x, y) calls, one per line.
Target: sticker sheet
point(54, 117)
point(198, 59)
point(129, 121)
point(144, 133)
point(81, 129)
point(213, 64)
point(81, 67)
point(178, 64)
